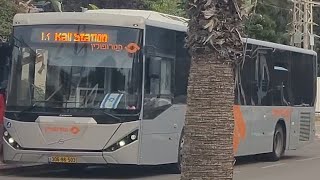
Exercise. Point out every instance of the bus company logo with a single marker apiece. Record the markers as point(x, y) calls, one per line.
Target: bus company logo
point(130, 48)
point(73, 130)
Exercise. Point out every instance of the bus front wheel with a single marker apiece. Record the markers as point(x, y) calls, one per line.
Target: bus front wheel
point(176, 168)
point(278, 144)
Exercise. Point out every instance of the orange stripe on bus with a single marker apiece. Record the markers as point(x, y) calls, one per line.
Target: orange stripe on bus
point(282, 113)
point(240, 130)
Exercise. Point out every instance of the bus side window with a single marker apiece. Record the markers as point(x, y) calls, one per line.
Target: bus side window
point(281, 85)
point(160, 71)
point(303, 68)
point(182, 68)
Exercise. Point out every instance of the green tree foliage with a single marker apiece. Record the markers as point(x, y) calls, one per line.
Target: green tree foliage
point(261, 27)
point(75, 5)
point(269, 20)
point(48, 5)
point(172, 7)
point(7, 10)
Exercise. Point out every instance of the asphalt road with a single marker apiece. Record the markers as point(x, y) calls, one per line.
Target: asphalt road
point(296, 165)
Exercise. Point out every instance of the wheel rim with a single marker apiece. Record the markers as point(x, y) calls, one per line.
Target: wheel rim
point(278, 144)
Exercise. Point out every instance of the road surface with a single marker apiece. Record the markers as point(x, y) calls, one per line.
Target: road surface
point(296, 165)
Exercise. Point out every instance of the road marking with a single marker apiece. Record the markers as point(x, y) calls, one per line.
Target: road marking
point(274, 165)
point(308, 159)
point(236, 172)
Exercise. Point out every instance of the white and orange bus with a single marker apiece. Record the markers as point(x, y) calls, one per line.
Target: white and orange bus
point(110, 87)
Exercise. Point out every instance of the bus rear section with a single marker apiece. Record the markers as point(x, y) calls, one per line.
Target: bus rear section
point(275, 97)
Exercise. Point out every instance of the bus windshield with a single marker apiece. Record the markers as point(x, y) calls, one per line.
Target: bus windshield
point(75, 67)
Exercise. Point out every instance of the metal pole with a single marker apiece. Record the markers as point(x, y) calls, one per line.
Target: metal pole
point(305, 25)
point(302, 23)
point(311, 26)
point(294, 23)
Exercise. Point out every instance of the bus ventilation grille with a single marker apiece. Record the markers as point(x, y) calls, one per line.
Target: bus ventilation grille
point(305, 126)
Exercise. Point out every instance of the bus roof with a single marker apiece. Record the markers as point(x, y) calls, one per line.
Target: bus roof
point(112, 17)
point(151, 18)
point(278, 46)
point(128, 18)
point(77, 18)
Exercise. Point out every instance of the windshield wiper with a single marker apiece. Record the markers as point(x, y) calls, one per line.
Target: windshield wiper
point(26, 110)
point(35, 104)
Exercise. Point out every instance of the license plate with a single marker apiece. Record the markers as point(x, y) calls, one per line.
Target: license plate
point(62, 159)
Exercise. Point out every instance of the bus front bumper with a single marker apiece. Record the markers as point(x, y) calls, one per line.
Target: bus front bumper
point(121, 156)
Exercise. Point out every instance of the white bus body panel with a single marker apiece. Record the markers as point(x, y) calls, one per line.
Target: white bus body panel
point(261, 123)
point(39, 143)
point(160, 136)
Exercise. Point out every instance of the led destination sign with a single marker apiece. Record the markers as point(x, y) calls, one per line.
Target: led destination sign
point(74, 37)
point(97, 39)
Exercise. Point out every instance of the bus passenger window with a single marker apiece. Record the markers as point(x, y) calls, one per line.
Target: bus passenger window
point(280, 89)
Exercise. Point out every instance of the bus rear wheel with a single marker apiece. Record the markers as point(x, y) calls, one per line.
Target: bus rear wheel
point(278, 144)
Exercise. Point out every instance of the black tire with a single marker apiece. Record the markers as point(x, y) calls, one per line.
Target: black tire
point(278, 144)
point(176, 168)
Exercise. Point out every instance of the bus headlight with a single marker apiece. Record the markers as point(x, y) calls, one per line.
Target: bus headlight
point(6, 134)
point(133, 137)
point(124, 141)
point(10, 140)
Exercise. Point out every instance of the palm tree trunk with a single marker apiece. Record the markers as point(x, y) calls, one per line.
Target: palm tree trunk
point(215, 45)
point(208, 152)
